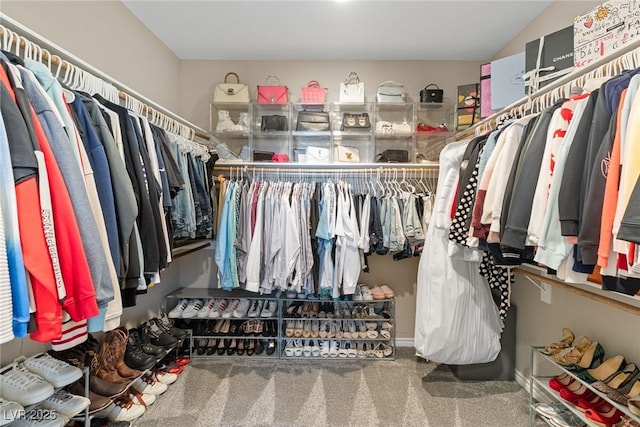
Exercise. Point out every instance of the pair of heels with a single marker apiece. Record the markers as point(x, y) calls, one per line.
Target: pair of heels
point(598, 410)
point(583, 354)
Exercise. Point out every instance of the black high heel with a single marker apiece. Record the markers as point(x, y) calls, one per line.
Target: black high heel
point(251, 347)
point(212, 346)
point(259, 348)
point(231, 349)
point(222, 346)
point(271, 347)
point(241, 345)
point(202, 346)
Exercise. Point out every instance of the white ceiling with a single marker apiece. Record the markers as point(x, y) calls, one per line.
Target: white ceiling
point(336, 30)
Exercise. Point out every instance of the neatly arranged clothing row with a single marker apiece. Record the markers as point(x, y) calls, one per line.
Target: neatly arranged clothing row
point(90, 196)
point(311, 238)
point(559, 189)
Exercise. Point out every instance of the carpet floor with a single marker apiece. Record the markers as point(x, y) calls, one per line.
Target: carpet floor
point(404, 392)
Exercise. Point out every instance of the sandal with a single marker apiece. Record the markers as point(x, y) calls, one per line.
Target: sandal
point(378, 351)
point(343, 351)
point(372, 332)
point(325, 327)
point(298, 346)
point(387, 291)
point(306, 348)
point(565, 342)
point(315, 328)
point(306, 330)
point(324, 349)
point(333, 348)
point(351, 349)
point(387, 350)
point(298, 329)
point(360, 349)
point(315, 349)
point(289, 351)
point(291, 326)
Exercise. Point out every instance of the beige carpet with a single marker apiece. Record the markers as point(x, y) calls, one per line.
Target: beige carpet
point(404, 392)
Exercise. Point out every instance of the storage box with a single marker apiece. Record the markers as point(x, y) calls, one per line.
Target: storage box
point(507, 84)
point(485, 91)
point(605, 29)
point(548, 58)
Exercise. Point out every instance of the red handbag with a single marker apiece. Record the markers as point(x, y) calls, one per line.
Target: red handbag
point(272, 94)
point(280, 158)
point(313, 94)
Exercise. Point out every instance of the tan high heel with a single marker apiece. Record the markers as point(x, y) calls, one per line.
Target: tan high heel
point(604, 371)
point(573, 355)
point(565, 342)
point(618, 379)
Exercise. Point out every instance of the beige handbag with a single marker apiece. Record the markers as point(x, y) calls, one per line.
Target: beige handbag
point(231, 93)
point(347, 154)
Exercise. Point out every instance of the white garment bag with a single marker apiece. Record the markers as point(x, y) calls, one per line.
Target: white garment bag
point(457, 321)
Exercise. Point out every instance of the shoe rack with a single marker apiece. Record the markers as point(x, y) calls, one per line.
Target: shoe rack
point(326, 329)
point(539, 383)
point(420, 129)
point(302, 327)
point(228, 333)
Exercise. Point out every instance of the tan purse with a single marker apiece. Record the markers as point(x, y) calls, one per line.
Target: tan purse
point(347, 154)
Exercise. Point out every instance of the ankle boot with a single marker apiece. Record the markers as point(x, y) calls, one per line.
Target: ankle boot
point(120, 340)
point(104, 365)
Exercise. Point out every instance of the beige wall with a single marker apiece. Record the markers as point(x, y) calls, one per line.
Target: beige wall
point(540, 323)
point(199, 78)
point(557, 16)
point(107, 36)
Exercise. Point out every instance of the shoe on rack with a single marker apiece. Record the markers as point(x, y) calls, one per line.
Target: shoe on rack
point(9, 411)
point(604, 370)
point(97, 401)
point(230, 309)
point(605, 414)
point(243, 121)
point(192, 309)
point(566, 341)
point(146, 384)
point(617, 379)
point(179, 308)
point(164, 377)
point(138, 338)
point(115, 346)
point(269, 309)
point(56, 372)
point(560, 382)
point(565, 419)
point(122, 409)
point(226, 155)
point(256, 308)
point(167, 326)
point(102, 387)
point(242, 308)
point(159, 337)
point(66, 403)
point(135, 357)
point(20, 385)
point(209, 305)
point(378, 293)
point(219, 308)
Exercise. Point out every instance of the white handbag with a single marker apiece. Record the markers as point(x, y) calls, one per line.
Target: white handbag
point(352, 89)
point(391, 91)
point(317, 155)
point(347, 154)
point(231, 93)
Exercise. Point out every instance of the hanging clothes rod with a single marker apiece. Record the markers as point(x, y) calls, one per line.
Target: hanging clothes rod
point(304, 168)
point(625, 58)
point(56, 55)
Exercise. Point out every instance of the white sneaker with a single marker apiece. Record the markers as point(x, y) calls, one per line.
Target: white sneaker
point(122, 409)
point(192, 309)
point(225, 124)
point(145, 400)
point(243, 121)
point(220, 307)
point(242, 308)
point(147, 385)
point(66, 403)
point(9, 411)
point(165, 377)
point(23, 386)
point(366, 293)
point(357, 295)
point(231, 308)
point(208, 306)
point(56, 372)
point(178, 309)
point(269, 309)
point(256, 308)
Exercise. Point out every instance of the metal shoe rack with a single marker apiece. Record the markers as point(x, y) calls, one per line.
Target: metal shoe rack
point(281, 318)
point(540, 383)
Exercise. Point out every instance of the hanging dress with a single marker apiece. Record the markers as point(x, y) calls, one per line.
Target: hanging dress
point(456, 319)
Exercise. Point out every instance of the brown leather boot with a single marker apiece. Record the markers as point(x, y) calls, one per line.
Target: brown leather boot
point(120, 340)
point(104, 365)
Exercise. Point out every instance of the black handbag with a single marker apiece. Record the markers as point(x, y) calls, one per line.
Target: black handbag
point(431, 95)
point(262, 156)
point(274, 123)
point(393, 156)
point(313, 121)
point(358, 121)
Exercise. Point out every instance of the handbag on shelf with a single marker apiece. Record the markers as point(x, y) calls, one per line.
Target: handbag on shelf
point(390, 91)
point(280, 158)
point(428, 95)
point(231, 93)
point(347, 154)
point(263, 156)
point(358, 121)
point(385, 128)
point(313, 121)
point(274, 123)
point(273, 94)
point(317, 155)
point(352, 89)
point(313, 94)
point(393, 156)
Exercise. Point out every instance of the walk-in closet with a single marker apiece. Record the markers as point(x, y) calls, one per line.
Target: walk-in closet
point(319, 212)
